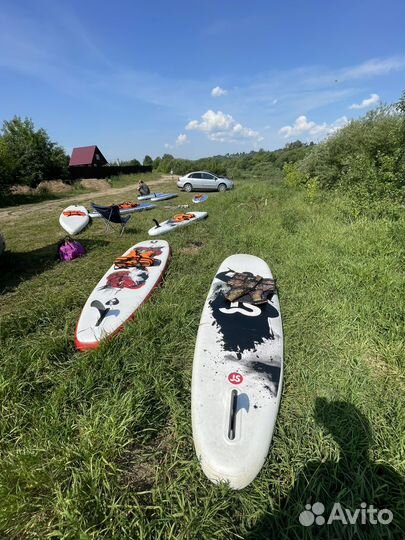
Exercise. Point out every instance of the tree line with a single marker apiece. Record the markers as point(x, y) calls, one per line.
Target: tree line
point(28, 156)
point(366, 156)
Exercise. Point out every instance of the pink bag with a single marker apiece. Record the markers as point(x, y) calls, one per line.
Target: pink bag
point(70, 250)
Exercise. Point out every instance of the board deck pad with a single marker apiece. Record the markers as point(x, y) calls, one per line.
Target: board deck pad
point(77, 221)
point(237, 378)
point(119, 294)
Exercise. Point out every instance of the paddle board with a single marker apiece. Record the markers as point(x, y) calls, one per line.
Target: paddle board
point(74, 219)
point(139, 208)
point(171, 224)
point(237, 378)
point(199, 198)
point(162, 197)
point(119, 294)
point(156, 197)
point(170, 206)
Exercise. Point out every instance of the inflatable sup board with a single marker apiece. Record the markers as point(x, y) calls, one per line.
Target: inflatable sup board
point(156, 197)
point(237, 378)
point(162, 197)
point(172, 223)
point(125, 209)
point(199, 198)
point(74, 219)
point(119, 294)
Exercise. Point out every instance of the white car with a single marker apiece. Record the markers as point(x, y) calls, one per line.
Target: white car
point(204, 180)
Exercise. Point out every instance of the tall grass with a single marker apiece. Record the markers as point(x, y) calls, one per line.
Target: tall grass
point(98, 445)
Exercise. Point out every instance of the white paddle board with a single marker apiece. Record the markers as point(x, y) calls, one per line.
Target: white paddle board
point(156, 197)
point(118, 295)
point(74, 219)
point(139, 208)
point(162, 197)
point(237, 378)
point(171, 224)
point(199, 198)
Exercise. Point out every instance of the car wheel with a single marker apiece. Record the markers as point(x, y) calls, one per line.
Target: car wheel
point(221, 188)
point(188, 187)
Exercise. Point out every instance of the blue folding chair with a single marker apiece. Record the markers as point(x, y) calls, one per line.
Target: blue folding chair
point(112, 217)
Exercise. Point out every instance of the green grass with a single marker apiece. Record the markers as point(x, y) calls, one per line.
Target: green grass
point(98, 445)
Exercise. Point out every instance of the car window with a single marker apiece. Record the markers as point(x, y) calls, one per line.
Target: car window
point(208, 176)
point(195, 175)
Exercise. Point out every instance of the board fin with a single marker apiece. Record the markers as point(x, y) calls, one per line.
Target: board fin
point(156, 221)
point(232, 415)
point(101, 309)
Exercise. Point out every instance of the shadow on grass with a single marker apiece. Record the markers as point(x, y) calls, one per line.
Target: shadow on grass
point(16, 267)
point(353, 481)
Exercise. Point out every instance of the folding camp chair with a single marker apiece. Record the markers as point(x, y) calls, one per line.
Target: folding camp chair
point(112, 217)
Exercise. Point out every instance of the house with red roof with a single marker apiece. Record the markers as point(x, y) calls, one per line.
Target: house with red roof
point(87, 156)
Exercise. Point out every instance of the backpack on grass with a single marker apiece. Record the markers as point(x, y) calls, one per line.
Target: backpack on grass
point(69, 249)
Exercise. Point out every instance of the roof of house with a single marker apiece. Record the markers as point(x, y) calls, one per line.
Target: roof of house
point(84, 155)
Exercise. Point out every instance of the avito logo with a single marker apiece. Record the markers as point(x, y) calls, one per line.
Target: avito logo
point(366, 514)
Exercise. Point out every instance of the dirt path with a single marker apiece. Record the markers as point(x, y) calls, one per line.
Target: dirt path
point(16, 212)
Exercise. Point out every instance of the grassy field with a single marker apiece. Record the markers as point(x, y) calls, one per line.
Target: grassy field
point(98, 445)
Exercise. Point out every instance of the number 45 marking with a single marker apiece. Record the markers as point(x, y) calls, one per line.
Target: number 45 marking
point(247, 309)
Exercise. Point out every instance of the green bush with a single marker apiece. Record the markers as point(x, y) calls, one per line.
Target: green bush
point(28, 156)
point(293, 176)
point(366, 156)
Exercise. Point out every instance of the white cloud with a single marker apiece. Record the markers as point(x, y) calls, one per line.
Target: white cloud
point(218, 92)
point(372, 68)
point(367, 102)
point(223, 128)
point(302, 126)
point(181, 139)
point(274, 101)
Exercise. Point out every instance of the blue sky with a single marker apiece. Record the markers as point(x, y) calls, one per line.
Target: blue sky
point(196, 78)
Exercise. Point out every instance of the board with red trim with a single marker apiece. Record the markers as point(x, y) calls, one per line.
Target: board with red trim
point(237, 378)
point(119, 294)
